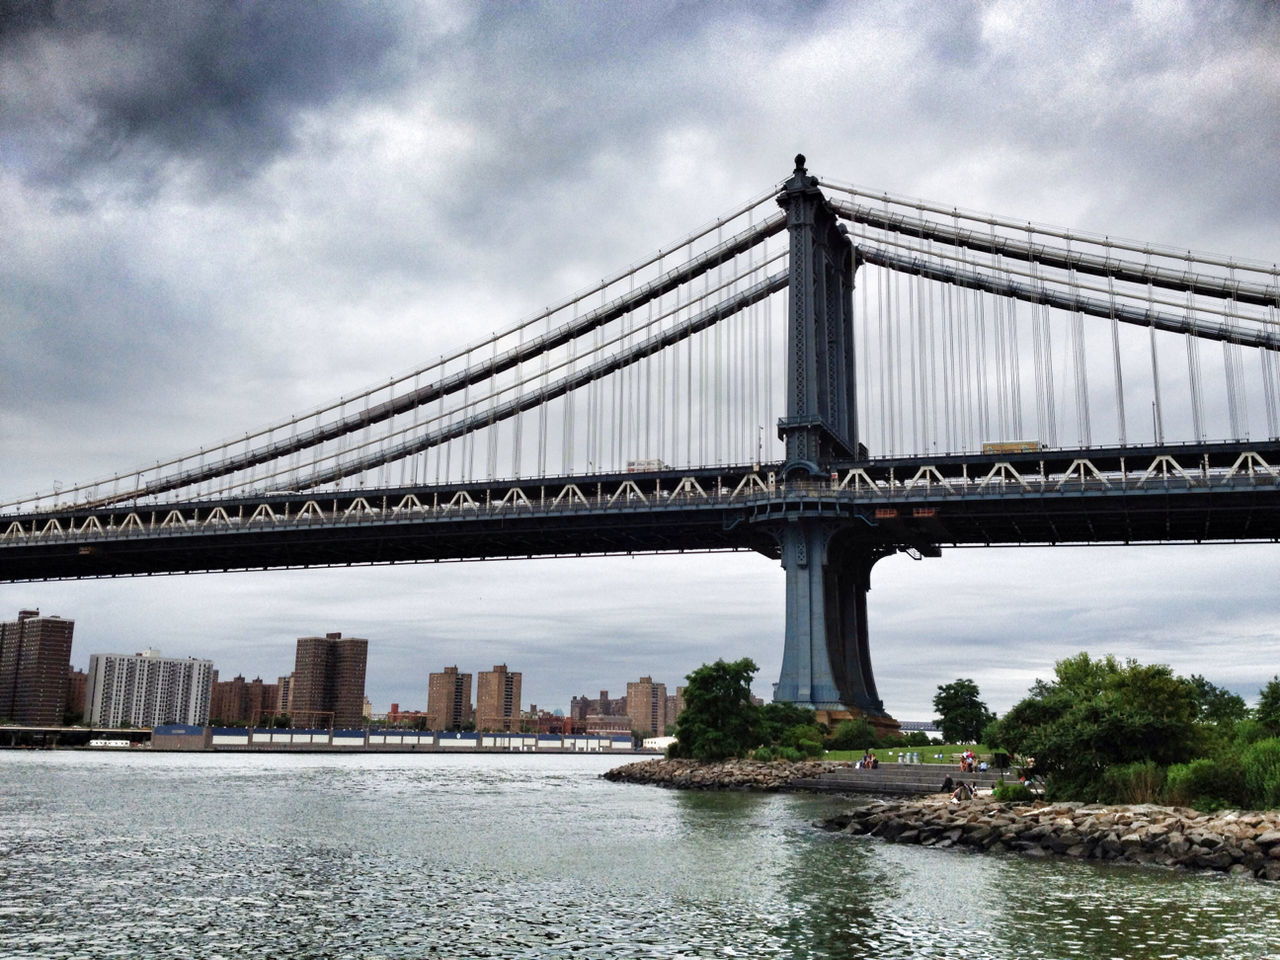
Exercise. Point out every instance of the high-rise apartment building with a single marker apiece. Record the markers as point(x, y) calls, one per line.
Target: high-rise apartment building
point(582, 707)
point(284, 686)
point(498, 699)
point(146, 689)
point(647, 706)
point(238, 701)
point(328, 681)
point(35, 655)
point(449, 699)
point(77, 683)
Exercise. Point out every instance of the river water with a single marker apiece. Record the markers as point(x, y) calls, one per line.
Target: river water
point(315, 856)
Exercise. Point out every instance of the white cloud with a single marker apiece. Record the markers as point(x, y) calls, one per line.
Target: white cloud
point(222, 263)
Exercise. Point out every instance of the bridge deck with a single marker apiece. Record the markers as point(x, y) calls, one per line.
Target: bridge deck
point(1225, 492)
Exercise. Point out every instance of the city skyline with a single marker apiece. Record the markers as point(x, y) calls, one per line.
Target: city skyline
point(195, 251)
point(228, 673)
point(416, 700)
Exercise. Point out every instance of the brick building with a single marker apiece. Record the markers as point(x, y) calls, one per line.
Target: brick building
point(449, 699)
point(284, 686)
point(498, 699)
point(328, 682)
point(35, 657)
point(77, 681)
point(406, 718)
point(236, 701)
point(647, 706)
point(582, 707)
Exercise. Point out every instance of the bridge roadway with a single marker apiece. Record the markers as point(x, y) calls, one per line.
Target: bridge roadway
point(1179, 493)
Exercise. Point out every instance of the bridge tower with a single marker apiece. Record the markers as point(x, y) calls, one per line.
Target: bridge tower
point(826, 662)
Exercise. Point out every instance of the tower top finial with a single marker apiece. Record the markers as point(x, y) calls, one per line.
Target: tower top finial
point(800, 163)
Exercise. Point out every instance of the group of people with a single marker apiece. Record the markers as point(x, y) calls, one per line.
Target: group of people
point(965, 791)
point(868, 761)
point(969, 763)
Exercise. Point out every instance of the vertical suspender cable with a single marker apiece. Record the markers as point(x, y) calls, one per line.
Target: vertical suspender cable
point(913, 355)
point(491, 430)
point(1193, 376)
point(567, 428)
point(1015, 359)
point(1270, 383)
point(1117, 369)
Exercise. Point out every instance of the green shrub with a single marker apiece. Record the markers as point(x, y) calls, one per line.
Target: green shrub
point(788, 753)
point(852, 735)
point(1206, 784)
point(807, 738)
point(763, 754)
point(1011, 792)
point(1261, 763)
point(1139, 782)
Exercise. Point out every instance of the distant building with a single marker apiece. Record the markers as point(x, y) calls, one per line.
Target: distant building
point(647, 706)
point(595, 725)
point(449, 699)
point(366, 709)
point(328, 682)
point(76, 685)
point(396, 717)
point(544, 721)
point(35, 656)
point(235, 701)
point(498, 700)
point(582, 707)
point(283, 687)
point(146, 689)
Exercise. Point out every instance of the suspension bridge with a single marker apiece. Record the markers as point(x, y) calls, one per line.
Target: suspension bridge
point(826, 376)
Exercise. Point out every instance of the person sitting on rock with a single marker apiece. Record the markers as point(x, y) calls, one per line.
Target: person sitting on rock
point(962, 792)
point(947, 784)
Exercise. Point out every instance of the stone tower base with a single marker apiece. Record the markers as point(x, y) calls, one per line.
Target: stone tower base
point(884, 725)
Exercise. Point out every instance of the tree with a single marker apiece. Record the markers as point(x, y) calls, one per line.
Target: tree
point(719, 720)
point(962, 713)
point(775, 719)
point(1216, 704)
point(1268, 711)
point(1096, 714)
point(852, 735)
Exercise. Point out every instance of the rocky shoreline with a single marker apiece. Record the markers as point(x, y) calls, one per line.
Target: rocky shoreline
point(1244, 843)
point(721, 775)
point(1237, 842)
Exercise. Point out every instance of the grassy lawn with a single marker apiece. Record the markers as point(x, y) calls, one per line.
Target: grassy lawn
point(928, 754)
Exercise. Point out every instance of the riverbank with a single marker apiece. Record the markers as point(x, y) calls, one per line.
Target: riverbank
point(723, 774)
point(1245, 843)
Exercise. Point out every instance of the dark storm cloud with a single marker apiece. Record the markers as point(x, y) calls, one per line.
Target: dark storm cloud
point(124, 88)
point(560, 98)
point(336, 191)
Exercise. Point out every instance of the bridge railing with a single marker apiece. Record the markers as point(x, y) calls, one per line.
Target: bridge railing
point(868, 485)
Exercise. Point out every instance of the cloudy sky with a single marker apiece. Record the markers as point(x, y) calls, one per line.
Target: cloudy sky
point(217, 214)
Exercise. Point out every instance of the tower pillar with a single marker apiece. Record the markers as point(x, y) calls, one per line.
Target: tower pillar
point(826, 659)
point(826, 662)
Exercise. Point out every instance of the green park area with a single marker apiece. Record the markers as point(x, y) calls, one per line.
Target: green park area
point(1099, 731)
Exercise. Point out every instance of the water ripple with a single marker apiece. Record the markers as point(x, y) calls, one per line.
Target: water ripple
point(535, 857)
